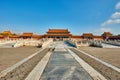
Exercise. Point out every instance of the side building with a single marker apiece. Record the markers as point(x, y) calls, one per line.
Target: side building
point(30, 35)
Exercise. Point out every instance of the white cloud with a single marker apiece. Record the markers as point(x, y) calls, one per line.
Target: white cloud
point(117, 6)
point(103, 29)
point(115, 15)
point(111, 21)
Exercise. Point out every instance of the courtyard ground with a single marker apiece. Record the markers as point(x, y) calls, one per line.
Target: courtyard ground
point(10, 56)
point(110, 55)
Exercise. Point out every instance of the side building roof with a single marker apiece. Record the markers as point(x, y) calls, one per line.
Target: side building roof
point(87, 35)
point(27, 34)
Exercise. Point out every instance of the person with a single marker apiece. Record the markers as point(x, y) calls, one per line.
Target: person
point(39, 46)
point(12, 45)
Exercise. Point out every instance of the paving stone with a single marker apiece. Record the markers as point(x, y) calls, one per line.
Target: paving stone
point(62, 66)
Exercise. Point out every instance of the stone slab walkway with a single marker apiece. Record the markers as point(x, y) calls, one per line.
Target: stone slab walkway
point(62, 66)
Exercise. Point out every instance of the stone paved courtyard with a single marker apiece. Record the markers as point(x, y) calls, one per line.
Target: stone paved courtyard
point(10, 56)
point(62, 65)
point(110, 55)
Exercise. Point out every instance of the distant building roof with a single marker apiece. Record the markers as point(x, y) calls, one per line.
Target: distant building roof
point(28, 34)
point(107, 34)
point(14, 36)
point(87, 35)
point(6, 33)
point(1, 36)
point(37, 36)
point(76, 36)
point(58, 30)
point(98, 37)
point(57, 34)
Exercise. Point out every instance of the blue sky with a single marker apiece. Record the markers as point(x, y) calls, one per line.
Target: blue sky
point(79, 16)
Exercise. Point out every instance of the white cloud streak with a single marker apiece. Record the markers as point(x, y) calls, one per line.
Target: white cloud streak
point(102, 29)
point(117, 6)
point(115, 15)
point(111, 21)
